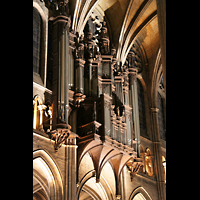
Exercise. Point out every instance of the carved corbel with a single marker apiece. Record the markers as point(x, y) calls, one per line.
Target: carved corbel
point(134, 166)
point(60, 135)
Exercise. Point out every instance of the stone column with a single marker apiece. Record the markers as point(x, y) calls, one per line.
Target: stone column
point(157, 155)
point(70, 167)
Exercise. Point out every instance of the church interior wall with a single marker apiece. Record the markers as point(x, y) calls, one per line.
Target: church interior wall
point(59, 172)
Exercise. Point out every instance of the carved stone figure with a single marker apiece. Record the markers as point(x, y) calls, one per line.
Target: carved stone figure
point(104, 40)
point(89, 46)
point(80, 51)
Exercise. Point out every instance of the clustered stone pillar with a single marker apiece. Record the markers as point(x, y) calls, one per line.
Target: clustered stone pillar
point(70, 167)
point(158, 156)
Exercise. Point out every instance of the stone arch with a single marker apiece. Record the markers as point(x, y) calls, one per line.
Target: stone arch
point(146, 108)
point(142, 82)
point(101, 190)
point(108, 179)
point(81, 24)
point(39, 98)
point(43, 11)
point(40, 7)
point(139, 196)
point(155, 79)
point(47, 175)
point(141, 193)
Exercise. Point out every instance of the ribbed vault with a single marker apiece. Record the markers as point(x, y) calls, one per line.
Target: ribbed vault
point(135, 19)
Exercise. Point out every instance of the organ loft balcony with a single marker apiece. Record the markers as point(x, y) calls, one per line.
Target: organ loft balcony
point(106, 132)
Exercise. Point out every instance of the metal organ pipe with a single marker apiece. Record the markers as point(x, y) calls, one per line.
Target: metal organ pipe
point(67, 67)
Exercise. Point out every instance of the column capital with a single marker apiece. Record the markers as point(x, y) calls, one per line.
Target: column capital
point(132, 70)
point(61, 18)
point(61, 135)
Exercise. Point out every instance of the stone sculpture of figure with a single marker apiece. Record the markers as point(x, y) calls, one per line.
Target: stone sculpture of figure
point(89, 36)
point(104, 30)
point(104, 47)
point(104, 39)
point(89, 46)
point(90, 49)
point(131, 60)
point(117, 70)
point(80, 51)
point(117, 110)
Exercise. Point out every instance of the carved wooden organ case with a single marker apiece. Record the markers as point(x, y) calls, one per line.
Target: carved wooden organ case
point(93, 96)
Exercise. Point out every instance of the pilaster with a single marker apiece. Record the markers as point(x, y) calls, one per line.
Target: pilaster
point(71, 166)
point(158, 155)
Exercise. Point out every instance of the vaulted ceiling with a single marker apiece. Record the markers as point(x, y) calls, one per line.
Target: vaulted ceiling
point(127, 21)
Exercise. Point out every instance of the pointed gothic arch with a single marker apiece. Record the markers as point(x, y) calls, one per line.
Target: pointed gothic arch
point(155, 79)
point(47, 176)
point(99, 190)
point(141, 192)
